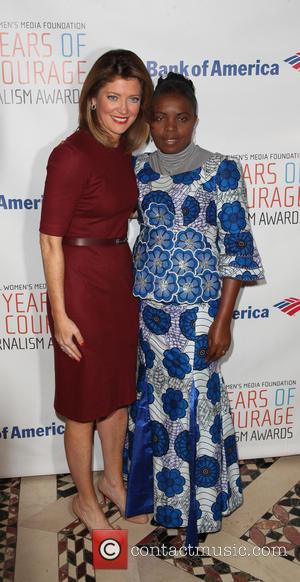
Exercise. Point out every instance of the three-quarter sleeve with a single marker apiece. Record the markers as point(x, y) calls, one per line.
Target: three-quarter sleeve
point(65, 182)
point(239, 257)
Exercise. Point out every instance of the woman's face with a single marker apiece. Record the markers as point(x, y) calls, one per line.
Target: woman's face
point(172, 122)
point(117, 105)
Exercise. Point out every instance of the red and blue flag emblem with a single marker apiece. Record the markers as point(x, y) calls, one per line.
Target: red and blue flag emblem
point(294, 61)
point(290, 305)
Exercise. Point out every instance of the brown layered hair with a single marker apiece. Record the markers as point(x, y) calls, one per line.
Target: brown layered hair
point(124, 64)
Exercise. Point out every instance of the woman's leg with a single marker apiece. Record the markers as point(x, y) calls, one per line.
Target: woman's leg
point(78, 445)
point(112, 431)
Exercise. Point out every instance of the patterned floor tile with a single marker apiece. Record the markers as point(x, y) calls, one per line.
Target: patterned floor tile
point(75, 558)
point(73, 553)
point(65, 485)
point(9, 506)
point(253, 468)
point(202, 566)
point(280, 526)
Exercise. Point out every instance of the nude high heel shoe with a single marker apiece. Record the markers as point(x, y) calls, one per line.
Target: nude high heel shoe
point(139, 519)
point(77, 515)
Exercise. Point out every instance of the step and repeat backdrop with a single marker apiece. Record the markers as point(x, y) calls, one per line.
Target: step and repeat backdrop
point(245, 64)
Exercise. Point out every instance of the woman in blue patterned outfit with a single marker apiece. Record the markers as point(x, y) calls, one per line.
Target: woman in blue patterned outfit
point(194, 250)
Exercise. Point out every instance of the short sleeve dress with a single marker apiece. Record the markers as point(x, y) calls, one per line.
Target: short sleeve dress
point(90, 192)
point(182, 451)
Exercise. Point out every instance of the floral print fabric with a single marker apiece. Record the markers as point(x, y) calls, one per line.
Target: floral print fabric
point(173, 346)
point(194, 231)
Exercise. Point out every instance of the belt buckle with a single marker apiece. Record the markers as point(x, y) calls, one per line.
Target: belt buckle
point(120, 240)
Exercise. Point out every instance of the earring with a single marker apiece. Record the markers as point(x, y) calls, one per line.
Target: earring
point(93, 107)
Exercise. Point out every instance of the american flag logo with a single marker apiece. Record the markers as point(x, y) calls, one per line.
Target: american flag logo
point(290, 306)
point(294, 61)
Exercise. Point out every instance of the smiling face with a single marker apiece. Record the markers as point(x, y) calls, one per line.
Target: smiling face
point(117, 106)
point(172, 122)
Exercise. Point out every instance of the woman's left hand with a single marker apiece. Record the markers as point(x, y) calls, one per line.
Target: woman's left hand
point(219, 340)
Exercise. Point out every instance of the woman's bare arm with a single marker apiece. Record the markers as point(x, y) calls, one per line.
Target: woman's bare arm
point(219, 335)
point(54, 266)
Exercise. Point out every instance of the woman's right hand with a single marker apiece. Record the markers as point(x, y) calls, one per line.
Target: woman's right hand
point(65, 331)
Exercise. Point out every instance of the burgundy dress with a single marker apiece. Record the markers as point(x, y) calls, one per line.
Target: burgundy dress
point(90, 191)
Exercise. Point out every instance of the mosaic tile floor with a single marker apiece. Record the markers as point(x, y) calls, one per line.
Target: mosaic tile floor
point(9, 504)
point(276, 520)
point(252, 469)
point(280, 526)
point(202, 566)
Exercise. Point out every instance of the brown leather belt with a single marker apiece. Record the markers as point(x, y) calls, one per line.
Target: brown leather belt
point(86, 242)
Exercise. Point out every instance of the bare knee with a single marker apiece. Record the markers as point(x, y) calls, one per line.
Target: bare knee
point(118, 414)
point(78, 428)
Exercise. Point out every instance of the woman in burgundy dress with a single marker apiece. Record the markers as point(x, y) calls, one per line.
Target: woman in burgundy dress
point(90, 193)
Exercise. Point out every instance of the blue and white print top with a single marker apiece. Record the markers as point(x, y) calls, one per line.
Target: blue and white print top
point(195, 230)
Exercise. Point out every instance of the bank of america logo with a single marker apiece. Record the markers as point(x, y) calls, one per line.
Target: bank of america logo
point(290, 306)
point(294, 61)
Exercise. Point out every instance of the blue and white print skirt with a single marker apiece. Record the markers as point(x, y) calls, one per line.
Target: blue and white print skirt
point(182, 455)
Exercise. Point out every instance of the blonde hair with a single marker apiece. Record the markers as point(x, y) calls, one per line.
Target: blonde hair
point(116, 63)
